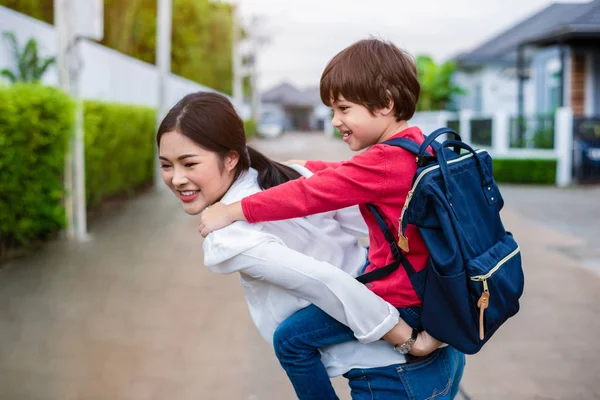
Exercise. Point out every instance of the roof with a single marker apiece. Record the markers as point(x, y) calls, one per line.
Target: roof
point(585, 25)
point(288, 95)
point(551, 22)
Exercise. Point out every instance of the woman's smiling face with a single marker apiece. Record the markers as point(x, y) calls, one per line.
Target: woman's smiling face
point(197, 176)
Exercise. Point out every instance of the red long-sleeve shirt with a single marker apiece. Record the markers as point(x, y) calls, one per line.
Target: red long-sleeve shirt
point(381, 175)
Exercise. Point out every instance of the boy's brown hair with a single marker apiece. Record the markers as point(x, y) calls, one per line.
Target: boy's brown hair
point(368, 72)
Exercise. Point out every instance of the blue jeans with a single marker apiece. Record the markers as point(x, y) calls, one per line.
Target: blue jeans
point(297, 340)
point(436, 376)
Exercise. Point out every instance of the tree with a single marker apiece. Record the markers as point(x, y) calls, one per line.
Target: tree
point(29, 66)
point(202, 37)
point(202, 34)
point(40, 9)
point(437, 87)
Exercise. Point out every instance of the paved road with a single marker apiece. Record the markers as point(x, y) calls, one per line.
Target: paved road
point(134, 315)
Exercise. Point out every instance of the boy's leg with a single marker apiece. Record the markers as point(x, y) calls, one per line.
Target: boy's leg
point(297, 341)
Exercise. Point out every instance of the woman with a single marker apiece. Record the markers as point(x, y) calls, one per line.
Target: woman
point(286, 265)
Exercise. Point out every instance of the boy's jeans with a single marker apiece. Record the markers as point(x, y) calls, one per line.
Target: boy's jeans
point(298, 338)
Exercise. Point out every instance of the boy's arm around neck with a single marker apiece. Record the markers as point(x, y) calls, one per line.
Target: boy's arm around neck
point(361, 180)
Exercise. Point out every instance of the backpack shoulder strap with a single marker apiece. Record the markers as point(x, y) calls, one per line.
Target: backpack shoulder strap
point(415, 148)
point(405, 143)
point(396, 253)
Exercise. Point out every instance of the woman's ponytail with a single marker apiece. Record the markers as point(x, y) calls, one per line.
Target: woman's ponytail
point(270, 173)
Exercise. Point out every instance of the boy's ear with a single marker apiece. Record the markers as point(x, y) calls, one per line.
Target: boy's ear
point(389, 109)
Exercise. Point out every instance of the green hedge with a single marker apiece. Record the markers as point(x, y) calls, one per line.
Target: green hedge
point(119, 149)
point(531, 171)
point(35, 123)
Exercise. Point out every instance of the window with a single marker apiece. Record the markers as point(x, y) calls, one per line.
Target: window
point(478, 98)
point(552, 90)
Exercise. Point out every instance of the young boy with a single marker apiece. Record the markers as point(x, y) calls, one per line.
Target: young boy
point(373, 90)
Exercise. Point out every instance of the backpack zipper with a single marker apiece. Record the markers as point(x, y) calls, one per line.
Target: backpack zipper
point(403, 240)
point(480, 278)
point(484, 300)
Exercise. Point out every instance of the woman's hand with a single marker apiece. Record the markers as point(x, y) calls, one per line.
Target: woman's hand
point(424, 345)
point(401, 332)
point(219, 216)
point(302, 163)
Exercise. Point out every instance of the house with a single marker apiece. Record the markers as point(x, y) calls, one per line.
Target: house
point(549, 60)
point(301, 109)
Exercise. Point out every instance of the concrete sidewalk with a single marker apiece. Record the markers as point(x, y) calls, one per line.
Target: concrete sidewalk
point(134, 315)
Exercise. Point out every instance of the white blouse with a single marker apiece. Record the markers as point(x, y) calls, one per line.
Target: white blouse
point(286, 265)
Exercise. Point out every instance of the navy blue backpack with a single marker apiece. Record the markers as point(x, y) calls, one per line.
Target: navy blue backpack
point(474, 277)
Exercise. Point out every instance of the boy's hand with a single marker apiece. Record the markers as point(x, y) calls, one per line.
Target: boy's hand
point(219, 216)
point(425, 345)
point(302, 163)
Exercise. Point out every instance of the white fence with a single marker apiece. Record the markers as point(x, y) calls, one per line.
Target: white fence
point(106, 74)
point(499, 142)
point(428, 121)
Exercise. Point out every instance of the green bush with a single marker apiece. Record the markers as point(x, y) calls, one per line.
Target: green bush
point(35, 123)
point(35, 126)
point(541, 128)
point(250, 128)
point(119, 149)
point(530, 171)
point(544, 138)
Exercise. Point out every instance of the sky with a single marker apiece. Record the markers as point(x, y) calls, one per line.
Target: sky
point(303, 35)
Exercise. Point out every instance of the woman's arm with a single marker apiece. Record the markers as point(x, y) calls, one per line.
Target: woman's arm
point(329, 288)
point(263, 256)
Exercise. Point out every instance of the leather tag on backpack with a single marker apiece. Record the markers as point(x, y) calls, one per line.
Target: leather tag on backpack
point(403, 242)
point(483, 303)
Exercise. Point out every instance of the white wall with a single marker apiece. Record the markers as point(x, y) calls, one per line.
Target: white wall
point(428, 121)
point(499, 91)
point(106, 75)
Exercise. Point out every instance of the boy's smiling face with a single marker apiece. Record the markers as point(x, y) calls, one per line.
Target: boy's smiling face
point(360, 127)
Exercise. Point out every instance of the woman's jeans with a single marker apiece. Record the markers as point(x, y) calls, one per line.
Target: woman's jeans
point(298, 338)
point(436, 376)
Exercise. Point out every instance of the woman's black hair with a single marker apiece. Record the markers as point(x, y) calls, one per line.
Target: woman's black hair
point(210, 120)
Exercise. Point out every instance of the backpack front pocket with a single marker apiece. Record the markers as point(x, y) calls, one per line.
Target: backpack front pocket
point(496, 284)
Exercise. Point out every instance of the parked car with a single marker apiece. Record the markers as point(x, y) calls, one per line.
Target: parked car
point(271, 126)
